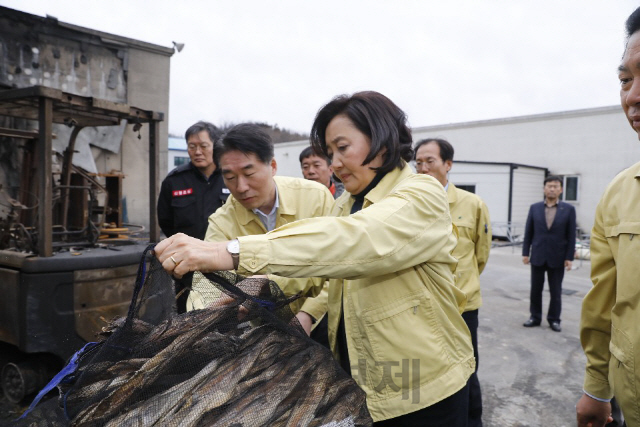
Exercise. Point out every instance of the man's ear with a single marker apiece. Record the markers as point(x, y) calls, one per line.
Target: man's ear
point(448, 164)
point(274, 166)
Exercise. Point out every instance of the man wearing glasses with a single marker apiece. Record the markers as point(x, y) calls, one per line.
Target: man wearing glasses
point(193, 191)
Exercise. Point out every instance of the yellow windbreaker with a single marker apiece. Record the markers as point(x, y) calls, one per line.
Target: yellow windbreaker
point(392, 268)
point(471, 216)
point(611, 310)
point(298, 199)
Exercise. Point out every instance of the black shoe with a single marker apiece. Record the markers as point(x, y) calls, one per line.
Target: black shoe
point(555, 326)
point(530, 323)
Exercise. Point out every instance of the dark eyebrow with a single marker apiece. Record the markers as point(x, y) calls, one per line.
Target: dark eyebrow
point(244, 168)
point(624, 69)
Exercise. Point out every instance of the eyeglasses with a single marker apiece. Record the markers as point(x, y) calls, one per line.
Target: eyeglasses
point(202, 147)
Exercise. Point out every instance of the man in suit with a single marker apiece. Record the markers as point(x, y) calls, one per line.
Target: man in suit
point(550, 238)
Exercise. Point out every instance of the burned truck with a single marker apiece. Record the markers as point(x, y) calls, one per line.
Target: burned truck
point(71, 230)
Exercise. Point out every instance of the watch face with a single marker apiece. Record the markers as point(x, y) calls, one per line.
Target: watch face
point(233, 247)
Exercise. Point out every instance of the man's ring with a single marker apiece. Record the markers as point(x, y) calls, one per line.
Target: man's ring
point(174, 260)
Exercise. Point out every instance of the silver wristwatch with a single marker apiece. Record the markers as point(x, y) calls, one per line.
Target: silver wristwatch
point(233, 247)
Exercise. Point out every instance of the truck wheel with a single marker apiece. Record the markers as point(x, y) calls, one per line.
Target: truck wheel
point(20, 380)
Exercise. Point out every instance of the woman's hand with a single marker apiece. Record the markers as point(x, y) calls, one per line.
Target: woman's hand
point(181, 254)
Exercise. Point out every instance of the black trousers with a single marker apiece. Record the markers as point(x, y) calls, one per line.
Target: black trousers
point(450, 412)
point(554, 276)
point(475, 395)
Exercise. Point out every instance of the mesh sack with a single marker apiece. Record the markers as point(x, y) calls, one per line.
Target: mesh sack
point(243, 360)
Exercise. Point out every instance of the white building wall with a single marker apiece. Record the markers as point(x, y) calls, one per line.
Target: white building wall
point(595, 144)
point(492, 185)
point(171, 164)
point(527, 190)
point(148, 89)
point(287, 156)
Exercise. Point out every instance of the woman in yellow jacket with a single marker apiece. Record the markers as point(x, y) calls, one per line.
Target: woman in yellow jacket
point(394, 312)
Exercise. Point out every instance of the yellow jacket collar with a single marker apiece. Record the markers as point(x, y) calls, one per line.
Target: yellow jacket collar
point(452, 194)
point(387, 184)
point(384, 187)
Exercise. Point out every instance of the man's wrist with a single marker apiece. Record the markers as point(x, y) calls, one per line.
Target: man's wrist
point(224, 260)
point(233, 249)
point(596, 398)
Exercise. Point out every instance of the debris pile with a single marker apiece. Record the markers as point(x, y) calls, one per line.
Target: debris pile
point(244, 361)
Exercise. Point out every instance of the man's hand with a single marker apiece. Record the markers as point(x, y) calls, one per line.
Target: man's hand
point(305, 320)
point(525, 260)
point(181, 254)
point(593, 413)
point(567, 264)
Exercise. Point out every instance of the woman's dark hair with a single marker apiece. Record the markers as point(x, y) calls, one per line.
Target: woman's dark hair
point(376, 116)
point(446, 149)
point(248, 139)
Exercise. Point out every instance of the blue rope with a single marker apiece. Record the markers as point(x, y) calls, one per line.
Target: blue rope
point(73, 363)
point(269, 305)
point(67, 370)
point(142, 269)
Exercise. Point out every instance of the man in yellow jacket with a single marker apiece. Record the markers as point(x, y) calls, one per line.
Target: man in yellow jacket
point(470, 215)
point(261, 201)
point(610, 311)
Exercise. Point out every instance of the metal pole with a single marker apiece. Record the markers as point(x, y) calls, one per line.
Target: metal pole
point(154, 156)
point(66, 173)
point(43, 150)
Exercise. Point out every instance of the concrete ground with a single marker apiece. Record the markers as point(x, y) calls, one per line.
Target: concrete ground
point(529, 376)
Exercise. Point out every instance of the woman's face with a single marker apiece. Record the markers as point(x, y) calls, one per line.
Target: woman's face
point(348, 147)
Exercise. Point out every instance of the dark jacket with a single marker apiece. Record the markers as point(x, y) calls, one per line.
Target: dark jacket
point(550, 245)
point(187, 198)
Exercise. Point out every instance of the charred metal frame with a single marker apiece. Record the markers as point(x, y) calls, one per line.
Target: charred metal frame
point(48, 106)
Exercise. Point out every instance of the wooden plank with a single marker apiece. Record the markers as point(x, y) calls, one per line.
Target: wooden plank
point(30, 92)
point(110, 106)
point(17, 133)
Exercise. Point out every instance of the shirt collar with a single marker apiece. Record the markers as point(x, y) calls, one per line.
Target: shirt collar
point(269, 220)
